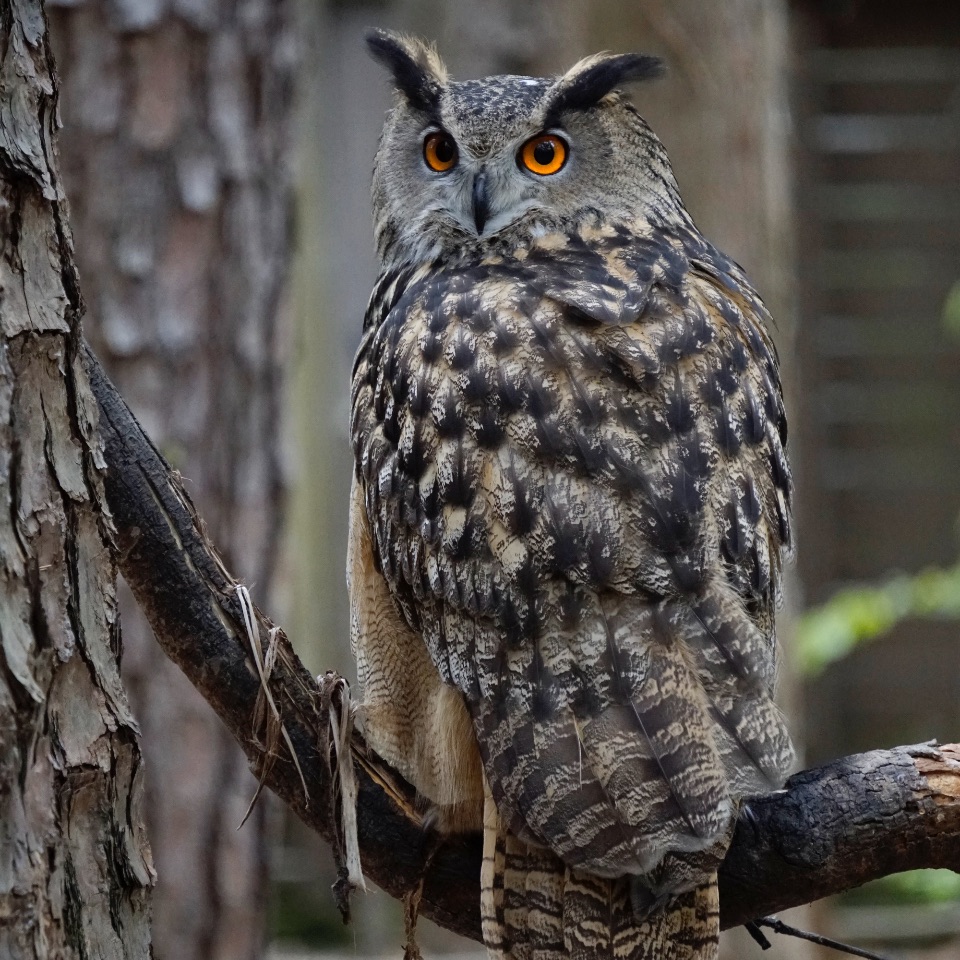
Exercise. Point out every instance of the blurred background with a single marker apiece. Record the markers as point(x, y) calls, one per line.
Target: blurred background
point(217, 156)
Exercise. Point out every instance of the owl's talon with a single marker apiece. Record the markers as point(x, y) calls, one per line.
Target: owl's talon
point(748, 817)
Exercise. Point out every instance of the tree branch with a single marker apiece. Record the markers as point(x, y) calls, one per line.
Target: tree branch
point(832, 828)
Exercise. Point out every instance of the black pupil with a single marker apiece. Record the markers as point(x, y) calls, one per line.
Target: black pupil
point(543, 152)
point(444, 150)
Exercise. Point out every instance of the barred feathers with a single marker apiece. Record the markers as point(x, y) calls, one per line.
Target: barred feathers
point(583, 519)
point(536, 907)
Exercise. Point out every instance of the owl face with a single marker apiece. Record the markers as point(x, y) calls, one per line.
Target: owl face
point(482, 160)
point(463, 165)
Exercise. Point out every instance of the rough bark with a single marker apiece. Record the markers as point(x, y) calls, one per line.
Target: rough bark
point(75, 865)
point(177, 130)
point(837, 826)
point(831, 829)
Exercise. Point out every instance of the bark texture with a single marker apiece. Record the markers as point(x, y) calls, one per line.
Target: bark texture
point(177, 129)
point(75, 865)
point(832, 828)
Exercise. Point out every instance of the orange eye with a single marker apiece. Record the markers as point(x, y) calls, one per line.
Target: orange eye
point(544, 155)
point(440, 152)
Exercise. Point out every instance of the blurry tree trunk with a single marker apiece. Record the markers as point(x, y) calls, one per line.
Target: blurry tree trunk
point(75, 868)
point(482, 37)
point(177, 128)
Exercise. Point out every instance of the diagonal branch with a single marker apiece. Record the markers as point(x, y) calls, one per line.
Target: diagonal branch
point(832, 828)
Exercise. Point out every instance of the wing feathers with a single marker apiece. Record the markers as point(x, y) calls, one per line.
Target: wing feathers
point(643, 737)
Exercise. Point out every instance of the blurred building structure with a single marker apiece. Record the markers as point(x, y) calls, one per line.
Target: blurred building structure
point(877, 89)
point(876, 92)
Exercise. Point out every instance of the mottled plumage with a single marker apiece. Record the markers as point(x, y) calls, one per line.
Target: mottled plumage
point(571, 507)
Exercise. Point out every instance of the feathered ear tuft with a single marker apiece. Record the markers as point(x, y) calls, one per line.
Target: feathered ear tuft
point(590, 80)
point(417, 69)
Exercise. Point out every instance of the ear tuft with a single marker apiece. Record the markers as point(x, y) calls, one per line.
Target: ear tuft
point(590, 80)
point(417, 69)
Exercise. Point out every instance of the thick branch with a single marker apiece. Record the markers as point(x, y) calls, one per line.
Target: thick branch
point(836, 827)
point(831, 829)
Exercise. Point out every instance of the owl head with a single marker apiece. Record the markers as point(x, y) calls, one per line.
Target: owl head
point(481, 163)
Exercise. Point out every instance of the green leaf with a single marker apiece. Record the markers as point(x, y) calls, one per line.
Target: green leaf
point(859, 614)
point(913, 886)
point(951, 311)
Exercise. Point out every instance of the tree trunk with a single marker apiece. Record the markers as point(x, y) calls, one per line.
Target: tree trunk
point(176, 140)
point(75, 866)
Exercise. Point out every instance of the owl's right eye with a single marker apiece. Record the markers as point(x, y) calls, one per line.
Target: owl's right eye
point(440, 152)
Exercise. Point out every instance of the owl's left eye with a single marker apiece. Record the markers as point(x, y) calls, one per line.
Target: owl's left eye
point(544, 154)
point(440, 152)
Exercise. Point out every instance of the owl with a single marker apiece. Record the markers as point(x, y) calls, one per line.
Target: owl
point(570, 509)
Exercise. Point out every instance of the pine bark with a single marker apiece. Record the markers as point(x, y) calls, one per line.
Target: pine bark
point(177, 132)
point(75, 865)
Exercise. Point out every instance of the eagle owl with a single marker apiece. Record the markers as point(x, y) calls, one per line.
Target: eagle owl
point(570, 508)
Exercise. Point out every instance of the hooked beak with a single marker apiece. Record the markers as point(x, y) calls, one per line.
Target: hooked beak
point(481, 201)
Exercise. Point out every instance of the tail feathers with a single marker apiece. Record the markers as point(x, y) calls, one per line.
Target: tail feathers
point(534, 907)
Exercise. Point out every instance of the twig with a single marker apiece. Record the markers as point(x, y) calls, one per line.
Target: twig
point(340, 713)
point(264, 667)
point(778, 926)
